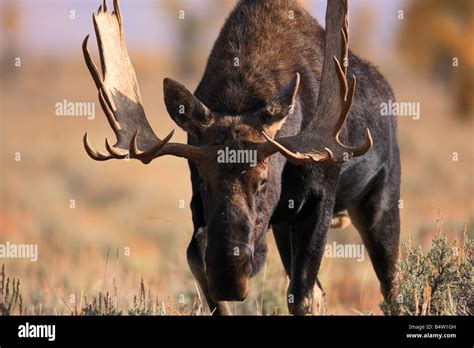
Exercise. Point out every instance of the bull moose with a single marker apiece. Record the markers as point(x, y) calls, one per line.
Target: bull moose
point(277, 84)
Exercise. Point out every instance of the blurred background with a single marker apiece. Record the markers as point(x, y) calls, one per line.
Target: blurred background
point(95, 222)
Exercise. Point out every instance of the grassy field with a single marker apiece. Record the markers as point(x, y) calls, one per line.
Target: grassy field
point(127, 224)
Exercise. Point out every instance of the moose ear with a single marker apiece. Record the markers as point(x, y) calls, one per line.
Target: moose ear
point(184, 108)
point(272, 117)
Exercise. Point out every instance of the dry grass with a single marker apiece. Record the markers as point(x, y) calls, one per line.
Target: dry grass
point(11, 301)
point(439, 282)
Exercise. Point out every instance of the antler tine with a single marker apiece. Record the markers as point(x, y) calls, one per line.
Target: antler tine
point(361, 150)
point(345, 40)
point(94, 154)
point(349, 94)
point(109, 113)
point(94, 71)
point(342, 73)
point(149, 155)
point(117, 153)
point(134, 151)
point(91, 65)
point(117, 12)
point(297, 157)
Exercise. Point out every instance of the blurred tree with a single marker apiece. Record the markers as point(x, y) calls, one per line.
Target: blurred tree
point(192, 21)
point(10, 24)
point(362, 29)
point(196, 24)
point(436, 38)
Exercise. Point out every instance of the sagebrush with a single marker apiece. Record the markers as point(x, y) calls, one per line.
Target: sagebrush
point(439, 282)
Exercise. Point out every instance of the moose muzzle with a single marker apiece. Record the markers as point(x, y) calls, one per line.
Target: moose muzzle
point(228, 282)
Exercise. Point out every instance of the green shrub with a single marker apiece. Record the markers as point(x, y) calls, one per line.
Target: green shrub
point(437, 283)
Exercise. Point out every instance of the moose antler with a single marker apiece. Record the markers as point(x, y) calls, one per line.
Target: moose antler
point(334, 102)
point(120, 98)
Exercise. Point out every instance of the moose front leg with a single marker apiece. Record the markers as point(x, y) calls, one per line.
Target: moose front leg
point(308, 240)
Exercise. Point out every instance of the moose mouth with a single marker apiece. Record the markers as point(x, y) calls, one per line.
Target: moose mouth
point(256, 256)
